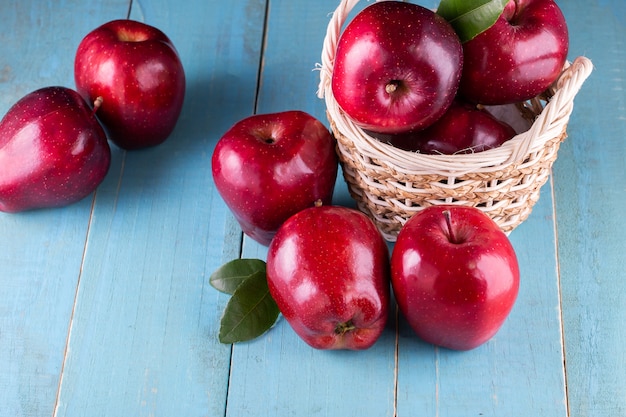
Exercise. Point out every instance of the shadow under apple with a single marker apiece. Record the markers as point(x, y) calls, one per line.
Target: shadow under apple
point(211, 106)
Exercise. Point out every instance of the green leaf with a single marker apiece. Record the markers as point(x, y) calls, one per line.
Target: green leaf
point(250, 312)
point(470, 18)
point(230, 275)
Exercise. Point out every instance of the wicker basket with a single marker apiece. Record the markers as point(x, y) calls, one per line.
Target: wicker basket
point(390, 184)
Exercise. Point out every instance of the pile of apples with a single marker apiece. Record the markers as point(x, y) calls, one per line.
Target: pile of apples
point(403, 73)
point(454, 273)
point(54, 150)
point(408, 76)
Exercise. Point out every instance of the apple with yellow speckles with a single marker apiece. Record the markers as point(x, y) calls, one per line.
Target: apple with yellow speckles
point(53, 151)
point(137, 71)
point(328, 271)
point(397, 67)
point(269, 166)
point(518, 57)
point(455, 276)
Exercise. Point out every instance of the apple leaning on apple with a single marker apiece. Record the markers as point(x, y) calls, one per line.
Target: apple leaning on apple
point(462, 129)
point(53, 151)
point(454, 275)
point(267, 167)
point(518, 57)
point(135, 68)
point(328, 271)
point(397, 67)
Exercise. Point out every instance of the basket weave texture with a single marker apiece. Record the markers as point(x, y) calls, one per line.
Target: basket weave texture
point(390, 184)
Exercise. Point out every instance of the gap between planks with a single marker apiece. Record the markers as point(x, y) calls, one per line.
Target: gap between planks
point(558, 283)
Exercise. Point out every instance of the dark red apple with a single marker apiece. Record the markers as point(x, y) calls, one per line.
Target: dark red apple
point(328, 271)
point(268, 167)
point(454, 275)
point(397, 67)
point(135, 68)
point(53, 151)
point(518, 57)
point(462, 129)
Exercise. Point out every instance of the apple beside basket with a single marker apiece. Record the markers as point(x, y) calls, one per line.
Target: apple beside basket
point(391, 184)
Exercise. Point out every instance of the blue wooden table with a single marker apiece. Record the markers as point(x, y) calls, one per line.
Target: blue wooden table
point(105, 305)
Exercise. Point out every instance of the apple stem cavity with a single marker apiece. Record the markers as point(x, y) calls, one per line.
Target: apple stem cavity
point(265, 136)
point(343, 328)
point(132, 36)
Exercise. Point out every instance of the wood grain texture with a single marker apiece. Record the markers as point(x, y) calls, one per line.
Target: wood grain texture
point(590, 180)
point(279, 375)
point(143, 336)
point(105, 306)
point(40, 251)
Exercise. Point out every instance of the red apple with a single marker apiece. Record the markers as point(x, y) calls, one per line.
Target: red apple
point(328, 271)
point(397, 67)
point(267, 167)
point(135, 68)
point(454, 275)
point(462, 129)
point(53, 151)
point(518, 57)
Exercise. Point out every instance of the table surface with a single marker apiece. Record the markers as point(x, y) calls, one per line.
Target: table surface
point(105, 305)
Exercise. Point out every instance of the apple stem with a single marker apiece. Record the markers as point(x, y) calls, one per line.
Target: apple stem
point(97, 103)
point(318, 202)
point(391, 87)
point(448, 216)
point(343, 328)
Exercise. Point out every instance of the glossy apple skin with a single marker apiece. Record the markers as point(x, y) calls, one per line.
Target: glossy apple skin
point(268, 167)
point(462, 129)
point(519, 57)
point(328, 271)
point(396, 44)
point(454, 292)
point(135, 68)
point(53, 151)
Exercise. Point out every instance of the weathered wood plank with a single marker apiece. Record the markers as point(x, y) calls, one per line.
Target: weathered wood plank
point(143, 336)
point(40, 251)
point(590, 192)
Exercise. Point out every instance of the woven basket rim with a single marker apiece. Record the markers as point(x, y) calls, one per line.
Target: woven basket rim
point(550, 122)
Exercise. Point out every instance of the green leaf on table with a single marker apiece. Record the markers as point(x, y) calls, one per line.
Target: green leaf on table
point(250, 312)
point(469, 18)
point(230, 275)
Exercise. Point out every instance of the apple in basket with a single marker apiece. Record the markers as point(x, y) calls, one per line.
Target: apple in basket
point(135, 68)
point(518, 57)
point(454, 275)
point(53, 151)
point(464, 128)
point(267, 167)
point(328, 271)
point(397, 67)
